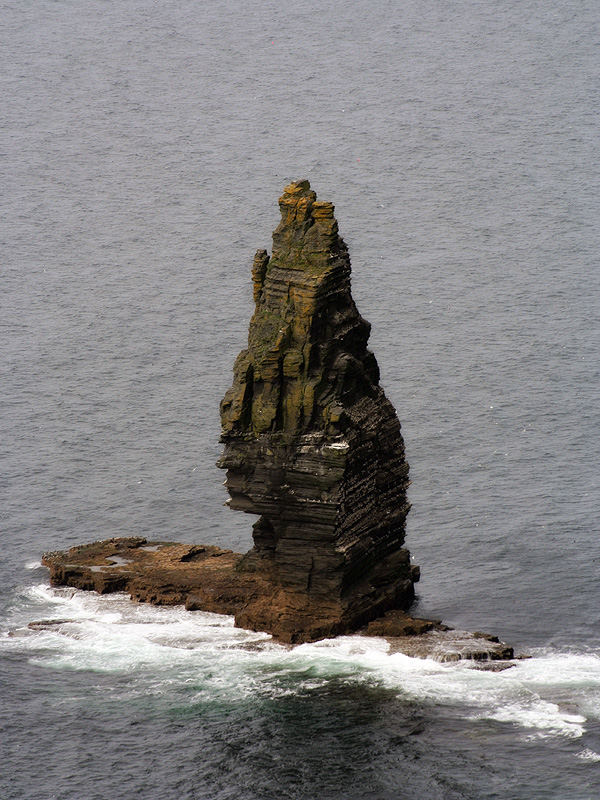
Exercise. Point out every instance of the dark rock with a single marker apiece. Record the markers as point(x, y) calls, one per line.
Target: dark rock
point(312, 444)
point(487, 636)
point(398, 623)
point(46, 624)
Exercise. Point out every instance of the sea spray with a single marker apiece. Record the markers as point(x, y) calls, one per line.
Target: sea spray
point(549, 694)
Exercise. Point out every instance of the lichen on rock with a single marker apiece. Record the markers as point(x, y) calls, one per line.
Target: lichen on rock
point(312, 444)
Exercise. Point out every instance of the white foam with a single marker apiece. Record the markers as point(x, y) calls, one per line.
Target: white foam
point(549, 694)
point(338, 446)
point(33, 565)
point(588, 755)
point(534, 713)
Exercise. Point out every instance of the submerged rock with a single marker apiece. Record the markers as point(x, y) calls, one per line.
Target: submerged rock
point(312, 444)
point(448, 645)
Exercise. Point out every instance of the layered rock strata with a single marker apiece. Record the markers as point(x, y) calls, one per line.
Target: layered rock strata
point(312, 444)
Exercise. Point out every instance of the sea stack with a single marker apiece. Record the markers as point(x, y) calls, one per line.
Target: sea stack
point(313, 449)
point(312, 444)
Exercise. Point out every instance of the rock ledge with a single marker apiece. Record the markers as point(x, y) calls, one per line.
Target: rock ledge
point(206, 578)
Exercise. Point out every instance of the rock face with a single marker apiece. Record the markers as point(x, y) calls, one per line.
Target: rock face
point(312, 444)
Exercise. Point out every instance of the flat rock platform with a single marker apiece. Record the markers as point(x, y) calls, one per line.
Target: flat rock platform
point(207, 578)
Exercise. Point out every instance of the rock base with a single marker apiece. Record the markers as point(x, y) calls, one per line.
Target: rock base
point(207, 578)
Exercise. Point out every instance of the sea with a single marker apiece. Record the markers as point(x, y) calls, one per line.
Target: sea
point(143, 148)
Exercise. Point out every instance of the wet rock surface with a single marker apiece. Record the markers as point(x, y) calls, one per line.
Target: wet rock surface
point(451, 645)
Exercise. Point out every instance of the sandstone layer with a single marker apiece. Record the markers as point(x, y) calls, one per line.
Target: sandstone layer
point(312, 444)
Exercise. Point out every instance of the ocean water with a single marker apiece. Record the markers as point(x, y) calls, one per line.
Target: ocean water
point(144, 146)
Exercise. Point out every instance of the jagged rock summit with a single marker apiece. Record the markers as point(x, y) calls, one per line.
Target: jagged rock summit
point(312, 444)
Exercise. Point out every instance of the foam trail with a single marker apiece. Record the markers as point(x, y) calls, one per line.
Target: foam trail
point(548, 695)
point(552, 693)
point(588, 755)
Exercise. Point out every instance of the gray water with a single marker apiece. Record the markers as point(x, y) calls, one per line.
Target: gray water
point(143, 149)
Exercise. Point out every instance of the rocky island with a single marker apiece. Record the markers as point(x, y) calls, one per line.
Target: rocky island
point(314, 449)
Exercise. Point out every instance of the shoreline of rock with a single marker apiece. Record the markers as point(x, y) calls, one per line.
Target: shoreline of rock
point(206, 578)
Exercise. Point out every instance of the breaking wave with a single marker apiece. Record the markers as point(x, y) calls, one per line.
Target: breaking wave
point(549, 694)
